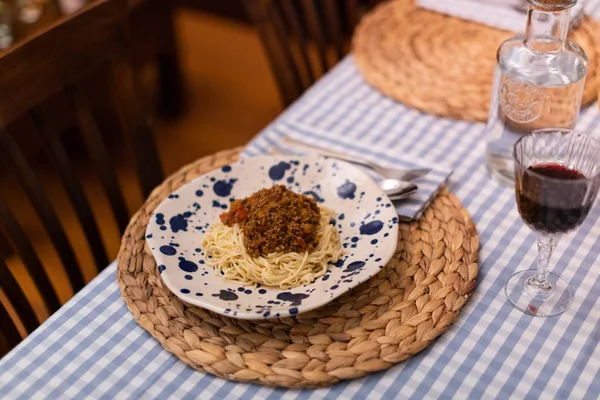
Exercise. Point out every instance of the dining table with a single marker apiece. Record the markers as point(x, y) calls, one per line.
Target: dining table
point(93, 348)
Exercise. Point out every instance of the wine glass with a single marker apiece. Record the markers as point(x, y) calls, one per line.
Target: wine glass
point(557, 177)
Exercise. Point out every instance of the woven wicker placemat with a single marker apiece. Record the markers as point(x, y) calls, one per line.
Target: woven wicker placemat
point(444, 65)
point(388, 319)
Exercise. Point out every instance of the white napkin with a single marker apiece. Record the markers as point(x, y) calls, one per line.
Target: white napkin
point(504, 14)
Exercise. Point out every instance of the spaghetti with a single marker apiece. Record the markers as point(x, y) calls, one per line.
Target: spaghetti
point(225, 250)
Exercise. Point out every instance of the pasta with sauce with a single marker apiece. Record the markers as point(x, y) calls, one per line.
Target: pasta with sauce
point(274, 237)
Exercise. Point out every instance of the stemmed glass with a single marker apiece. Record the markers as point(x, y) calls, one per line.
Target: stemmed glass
point(557, 177)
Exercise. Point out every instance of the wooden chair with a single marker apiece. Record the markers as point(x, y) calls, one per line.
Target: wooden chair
point(92, 42)
point(153, 37)
point(152, 30)
point(303, 39)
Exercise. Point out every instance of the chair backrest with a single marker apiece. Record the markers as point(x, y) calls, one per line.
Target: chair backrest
point(90, 44)
point(303, 39)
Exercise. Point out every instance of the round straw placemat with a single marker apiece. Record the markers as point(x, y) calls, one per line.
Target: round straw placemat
point(444, 65)
point(385, 320)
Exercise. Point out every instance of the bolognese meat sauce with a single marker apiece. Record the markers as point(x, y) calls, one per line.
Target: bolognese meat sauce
point(275, 220)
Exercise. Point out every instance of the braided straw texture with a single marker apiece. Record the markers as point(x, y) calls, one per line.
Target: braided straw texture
point(386, 320)
point(444, 65)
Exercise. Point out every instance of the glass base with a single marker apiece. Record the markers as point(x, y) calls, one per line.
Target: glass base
point(540, 302)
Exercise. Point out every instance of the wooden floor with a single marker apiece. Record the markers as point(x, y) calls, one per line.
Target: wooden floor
point(232, 96)
point(232, 92)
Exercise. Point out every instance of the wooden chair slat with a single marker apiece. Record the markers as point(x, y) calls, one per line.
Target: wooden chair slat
point(270, 27)
point(5, 247)
point(282, 51)
point(322, 25)
point(289, 11)
point(315, 27)
point(25, 250)
point(8, 329)
point(71, 183)
point(134, 124)
point(331, 10)
point(352, 15)
point(17, 298)
point(99, 154)
point(20, 167)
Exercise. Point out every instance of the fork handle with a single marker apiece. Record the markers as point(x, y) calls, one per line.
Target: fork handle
point(331, 154)
point(347, 159)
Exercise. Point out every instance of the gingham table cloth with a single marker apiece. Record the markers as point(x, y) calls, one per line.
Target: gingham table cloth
point(93, 348)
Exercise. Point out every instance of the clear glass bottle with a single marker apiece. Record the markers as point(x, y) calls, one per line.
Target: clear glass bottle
point(538, 83)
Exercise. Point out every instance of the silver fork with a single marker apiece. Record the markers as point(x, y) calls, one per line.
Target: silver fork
point(390, 173)
point(395, 189)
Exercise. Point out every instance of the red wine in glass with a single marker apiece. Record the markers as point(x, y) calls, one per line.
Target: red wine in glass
point(557, 179)
point(552, 206)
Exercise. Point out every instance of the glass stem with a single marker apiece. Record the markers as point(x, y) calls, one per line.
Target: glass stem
point(546, 245)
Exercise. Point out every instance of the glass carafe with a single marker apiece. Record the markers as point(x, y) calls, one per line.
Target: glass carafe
point(538, 83)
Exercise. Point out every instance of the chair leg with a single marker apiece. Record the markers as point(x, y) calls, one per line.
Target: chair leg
point(152, 29)
point(170, 76)
point(171, 91)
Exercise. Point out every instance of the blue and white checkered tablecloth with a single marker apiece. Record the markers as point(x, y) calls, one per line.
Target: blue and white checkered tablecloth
point(93, 348)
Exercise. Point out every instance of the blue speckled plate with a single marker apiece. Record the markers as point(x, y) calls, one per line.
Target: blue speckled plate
point(365, 218)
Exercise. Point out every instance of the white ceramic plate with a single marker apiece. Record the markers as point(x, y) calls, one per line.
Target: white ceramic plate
point(365, 218)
